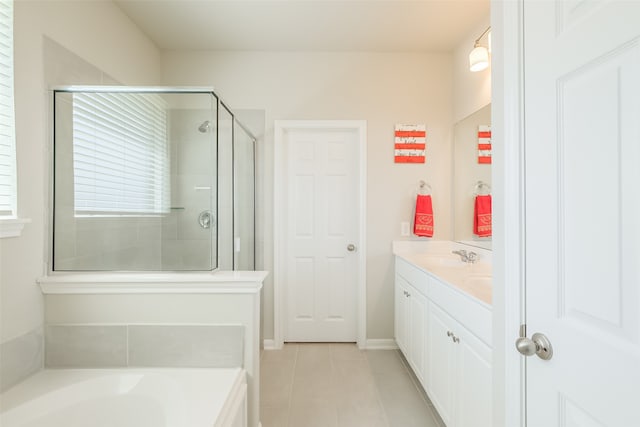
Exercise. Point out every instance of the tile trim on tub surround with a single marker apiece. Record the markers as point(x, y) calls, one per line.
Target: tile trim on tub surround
point(218, 282)
point(85, 346)
point(194, 346)
point(175, 345)
point(21, 357)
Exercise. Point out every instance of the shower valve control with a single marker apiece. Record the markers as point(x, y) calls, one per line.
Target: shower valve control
point(205, 219)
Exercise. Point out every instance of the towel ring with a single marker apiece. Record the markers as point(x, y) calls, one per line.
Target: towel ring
point(424, 188)
point(480, 185)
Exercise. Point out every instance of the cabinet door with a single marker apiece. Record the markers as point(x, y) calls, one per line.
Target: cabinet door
point(401, 314)
point(473, 381)
point(417, 332)
point(441, 359)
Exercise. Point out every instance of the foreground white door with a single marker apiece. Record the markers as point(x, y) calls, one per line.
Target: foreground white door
point(319, 215)
point(582, 126)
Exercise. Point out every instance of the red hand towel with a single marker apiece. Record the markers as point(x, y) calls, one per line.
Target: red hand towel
point(423, 224)
point(482, 216)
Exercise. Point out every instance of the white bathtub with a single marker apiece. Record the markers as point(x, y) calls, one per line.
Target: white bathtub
point(127, 398)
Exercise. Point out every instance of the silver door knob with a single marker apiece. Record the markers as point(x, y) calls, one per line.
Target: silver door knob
point(538, 344)
point(351, 247)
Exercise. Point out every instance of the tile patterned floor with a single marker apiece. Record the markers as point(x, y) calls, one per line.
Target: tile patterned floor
point(338, 385)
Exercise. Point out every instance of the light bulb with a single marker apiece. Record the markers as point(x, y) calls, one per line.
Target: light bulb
point(478, 58)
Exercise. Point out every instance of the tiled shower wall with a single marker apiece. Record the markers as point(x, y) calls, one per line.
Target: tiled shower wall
point(186, 245)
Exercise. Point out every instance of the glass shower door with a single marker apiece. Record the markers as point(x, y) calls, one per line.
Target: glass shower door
point(244, 199)
point(134, 180)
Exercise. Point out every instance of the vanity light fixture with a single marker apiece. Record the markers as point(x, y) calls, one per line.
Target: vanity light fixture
point(479, 56)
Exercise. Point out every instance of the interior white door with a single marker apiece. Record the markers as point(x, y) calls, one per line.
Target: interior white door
point(322, 233)
point(582, 151)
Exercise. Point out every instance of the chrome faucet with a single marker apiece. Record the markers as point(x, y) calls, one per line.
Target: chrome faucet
point(465, 256)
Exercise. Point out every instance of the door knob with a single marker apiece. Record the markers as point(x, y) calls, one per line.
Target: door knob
point(538, 344)
point(351, 247)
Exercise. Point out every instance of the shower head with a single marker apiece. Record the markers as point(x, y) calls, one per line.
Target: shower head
point(204, 127)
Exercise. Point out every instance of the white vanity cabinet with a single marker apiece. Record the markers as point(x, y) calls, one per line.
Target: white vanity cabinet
point(440, 382)
point(401, 314)
point(410, 324)
point(459, 380)
point(450, 333)
point(472, 376)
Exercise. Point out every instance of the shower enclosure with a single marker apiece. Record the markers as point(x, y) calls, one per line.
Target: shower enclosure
point(150, 179)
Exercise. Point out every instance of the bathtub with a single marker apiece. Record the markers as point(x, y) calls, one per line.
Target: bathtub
point(127, 398)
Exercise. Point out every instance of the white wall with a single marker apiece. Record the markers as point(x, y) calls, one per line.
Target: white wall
point(98, 32)
point(471, 91)
point(382, 88)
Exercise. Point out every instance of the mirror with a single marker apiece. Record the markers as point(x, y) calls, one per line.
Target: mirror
point(470, 177)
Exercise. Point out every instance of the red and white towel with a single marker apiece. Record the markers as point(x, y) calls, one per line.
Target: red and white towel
point(423, 223)
point(482, 216)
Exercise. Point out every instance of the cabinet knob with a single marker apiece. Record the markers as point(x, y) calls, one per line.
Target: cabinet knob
point(449, 333)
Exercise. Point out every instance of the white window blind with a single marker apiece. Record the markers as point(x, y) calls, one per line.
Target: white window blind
point(7, 119)
point(120, 154)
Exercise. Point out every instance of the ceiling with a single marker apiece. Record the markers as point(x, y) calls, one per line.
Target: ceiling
point(307, 25)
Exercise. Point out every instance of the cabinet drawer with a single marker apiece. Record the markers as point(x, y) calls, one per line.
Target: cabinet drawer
point(474, 316)
point(416, 277)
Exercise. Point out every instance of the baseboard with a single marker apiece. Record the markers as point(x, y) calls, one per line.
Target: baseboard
point(381, 344)
point(370, 344)
point(269, 345)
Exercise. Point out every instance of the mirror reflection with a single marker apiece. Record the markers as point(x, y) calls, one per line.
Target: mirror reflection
point(472, 179)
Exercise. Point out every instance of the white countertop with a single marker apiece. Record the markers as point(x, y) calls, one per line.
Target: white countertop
point(437, 260)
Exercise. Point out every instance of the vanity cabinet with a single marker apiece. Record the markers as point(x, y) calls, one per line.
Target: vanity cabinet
point(401, 314)
point(445, 336)
point(440, 382)
point(459, 380)
point(410, 325)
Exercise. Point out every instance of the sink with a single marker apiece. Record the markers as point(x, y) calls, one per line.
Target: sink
point(477, 281)
point(445, 261)
point(482, 269)
point(474, 279)
point(478, 286)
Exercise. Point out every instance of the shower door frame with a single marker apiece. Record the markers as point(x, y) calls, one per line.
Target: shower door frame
point(49, 225)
